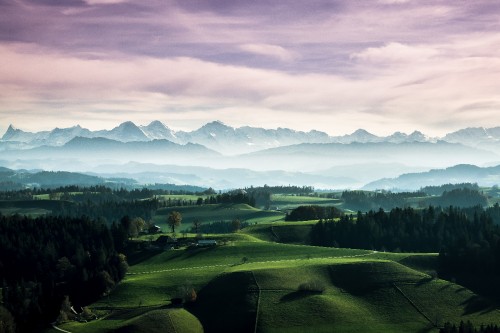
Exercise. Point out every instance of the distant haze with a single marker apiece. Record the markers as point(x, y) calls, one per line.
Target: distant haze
point(332, 66)
point(221, 156)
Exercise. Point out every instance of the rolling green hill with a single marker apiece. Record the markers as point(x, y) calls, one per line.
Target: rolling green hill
point(277, 289)
point(282, 232)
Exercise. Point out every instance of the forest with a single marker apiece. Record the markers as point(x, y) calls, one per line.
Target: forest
point(313, 212)
point(464, 195)
point(46, 259)
point(467, 239)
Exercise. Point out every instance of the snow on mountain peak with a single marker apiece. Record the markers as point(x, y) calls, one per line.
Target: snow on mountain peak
point(157, 130)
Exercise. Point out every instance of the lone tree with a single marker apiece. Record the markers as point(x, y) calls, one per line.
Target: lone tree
point(174, 220)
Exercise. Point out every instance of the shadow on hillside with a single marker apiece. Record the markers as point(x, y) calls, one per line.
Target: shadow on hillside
point(189, 253)
point(227, 303)
point(475, 304)
point(138, 257)
point(298, 295)
point(195, 251)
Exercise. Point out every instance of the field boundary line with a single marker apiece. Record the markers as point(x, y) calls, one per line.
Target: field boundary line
point(252, 262)
point(414, 305)
point(258, 302)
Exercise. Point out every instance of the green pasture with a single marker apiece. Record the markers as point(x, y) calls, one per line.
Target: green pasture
point(153, 320)
point(251, 283)
point(362, 291)
point(216, 213)
point(282, 232)
point(283, 201)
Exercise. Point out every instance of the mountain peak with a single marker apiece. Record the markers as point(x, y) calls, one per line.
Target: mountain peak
point(10, 133)
point(157, 130)
point(216, 123)
point(361, 131)
point(126, 124)
point(156, 123)
point(126, 132)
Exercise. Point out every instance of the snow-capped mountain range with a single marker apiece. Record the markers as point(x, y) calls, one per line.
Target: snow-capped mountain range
point(229, 140)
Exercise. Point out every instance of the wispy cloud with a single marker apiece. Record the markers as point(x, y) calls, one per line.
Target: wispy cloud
point(396, 65)
point(268, 50)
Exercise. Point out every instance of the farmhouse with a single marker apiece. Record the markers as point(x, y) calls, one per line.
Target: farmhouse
point(206, 242)
point(154, 229)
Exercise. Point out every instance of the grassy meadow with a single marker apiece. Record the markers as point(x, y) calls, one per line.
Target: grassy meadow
point(265, 278)
point(217, 213)
point(251, 283)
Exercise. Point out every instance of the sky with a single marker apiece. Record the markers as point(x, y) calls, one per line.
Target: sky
point(334, 66)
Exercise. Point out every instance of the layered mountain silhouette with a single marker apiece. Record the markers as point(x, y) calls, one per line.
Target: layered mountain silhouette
point(230, 141)
point(274, 156)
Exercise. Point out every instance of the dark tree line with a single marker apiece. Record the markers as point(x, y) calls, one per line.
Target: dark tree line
point(313, 212)
point(110, 210)
point(234, 197)
point(468, 327)
point(465, 243)
point(462, 197)
point(261, 196)
point(365, 201)
point(439, 190)
point(44, 259)
point(290, 189)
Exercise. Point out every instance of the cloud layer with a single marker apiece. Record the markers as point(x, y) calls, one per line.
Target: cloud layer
point(332, 66)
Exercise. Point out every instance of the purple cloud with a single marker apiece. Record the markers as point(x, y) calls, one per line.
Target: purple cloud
point(382, 61)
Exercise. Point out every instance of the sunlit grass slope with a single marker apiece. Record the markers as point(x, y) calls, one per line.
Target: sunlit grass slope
point(359, 291)
point(283, 232)
point(218, 212)
point(167, 320)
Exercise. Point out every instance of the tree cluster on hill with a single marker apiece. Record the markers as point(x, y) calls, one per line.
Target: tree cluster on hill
point(365, 201)
point(234, 197)
point(313, 212)
point(110, 210)
point(290, 189)
point(440, 189)
point(44, 259)
point(261, 196)
point(494, 213)
point(11, 186)
point(462, 197)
